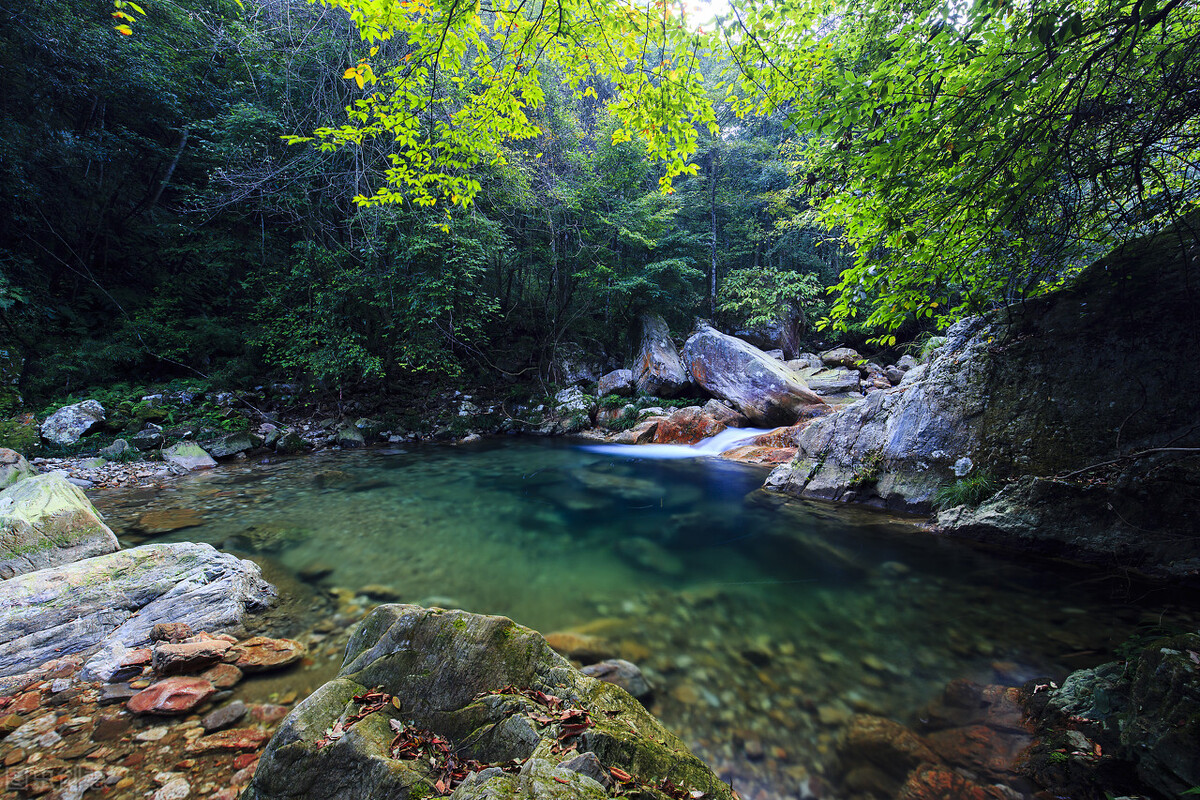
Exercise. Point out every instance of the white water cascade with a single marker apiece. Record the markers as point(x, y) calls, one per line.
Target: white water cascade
point(712, 446)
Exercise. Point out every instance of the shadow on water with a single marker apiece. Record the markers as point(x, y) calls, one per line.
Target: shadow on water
point(756, 618)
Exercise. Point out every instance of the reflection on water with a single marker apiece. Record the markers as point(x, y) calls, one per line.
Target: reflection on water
point(764, 625)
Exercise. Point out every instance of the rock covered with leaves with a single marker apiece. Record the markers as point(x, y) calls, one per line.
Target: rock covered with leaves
point(46, 521)
point(433, 702)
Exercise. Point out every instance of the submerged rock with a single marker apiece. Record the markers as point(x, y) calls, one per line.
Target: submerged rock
point(491, 691)
point(46, 521)
point(760, 387)
point(658, 371)
point(68, 425)
point(103, 606)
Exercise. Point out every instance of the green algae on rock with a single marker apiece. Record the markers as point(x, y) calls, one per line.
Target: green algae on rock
point(496, 693)
point(46, 521)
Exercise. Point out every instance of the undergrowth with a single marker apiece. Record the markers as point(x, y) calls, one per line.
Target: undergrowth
point(967, 491)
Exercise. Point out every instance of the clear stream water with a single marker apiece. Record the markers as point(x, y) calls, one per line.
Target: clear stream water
point(763, 624)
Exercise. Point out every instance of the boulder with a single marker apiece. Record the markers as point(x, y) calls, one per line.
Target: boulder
point(231, 444)
point(114, 451)
point(725, 415)
point(895, 448)
point(189, 456)
point(148, 439)
point(687, 426)
point(13, 467)
point(658, 371)
point(1036, 395)
point(347, 436)
point(488, 690)
point(760, 387)
point(619, 382)
point(574, 400)
point(46, 521)
point(842, 357)
point(371, 429)
point(1144, 713)
point(68, 424)
point(103, 606)
point(571, 366)
point(838, 380)
point(642, 433)
point(171, 696)
point(290, 443)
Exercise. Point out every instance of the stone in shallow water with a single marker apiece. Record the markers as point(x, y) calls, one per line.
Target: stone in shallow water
point(620, 672)
point(230, 741)
point(170, 519)
point(260, 653)
point(171, 696)
point(224, 716)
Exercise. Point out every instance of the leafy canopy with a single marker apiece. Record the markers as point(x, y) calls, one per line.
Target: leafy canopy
point(452, 82)
point(976, 153)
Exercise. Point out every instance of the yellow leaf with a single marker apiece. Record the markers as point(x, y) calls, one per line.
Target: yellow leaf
point(350, 73)
point(124, 30)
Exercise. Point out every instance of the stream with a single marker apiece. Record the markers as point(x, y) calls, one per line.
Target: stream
point(762, 623)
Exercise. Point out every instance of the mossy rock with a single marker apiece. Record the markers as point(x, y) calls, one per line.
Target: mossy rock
point(474, 681)
point(45, 521)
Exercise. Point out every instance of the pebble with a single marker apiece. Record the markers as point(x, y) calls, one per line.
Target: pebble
point(154, 734)
point(224, 716)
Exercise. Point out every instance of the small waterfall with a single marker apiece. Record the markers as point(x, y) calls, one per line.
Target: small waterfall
point(712, 446)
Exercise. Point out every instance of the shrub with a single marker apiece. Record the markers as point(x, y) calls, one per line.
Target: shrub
point(968, 491)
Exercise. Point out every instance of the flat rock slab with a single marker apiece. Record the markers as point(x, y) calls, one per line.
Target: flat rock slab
point(103, 606)
point(46, 521)
point(171, 696)
point(259, 654)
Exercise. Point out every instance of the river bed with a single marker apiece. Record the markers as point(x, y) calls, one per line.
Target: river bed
point(763, 624)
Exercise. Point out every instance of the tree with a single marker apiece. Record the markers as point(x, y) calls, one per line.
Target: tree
point(978, 153)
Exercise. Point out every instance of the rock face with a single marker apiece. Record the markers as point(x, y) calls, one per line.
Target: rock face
point(619, 382)
point(13, 467)
point(103, 606)
point(658, 371)
point(70, 423)
point(1045, 389)
point(488, 690)
point(1140, 717)
point(766, 391)
point(46, 521)
point(895, 448)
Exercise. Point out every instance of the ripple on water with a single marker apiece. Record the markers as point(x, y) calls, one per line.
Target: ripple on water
point(763, 625)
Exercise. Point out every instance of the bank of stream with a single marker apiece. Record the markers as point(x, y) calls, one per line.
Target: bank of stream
point(763, 624)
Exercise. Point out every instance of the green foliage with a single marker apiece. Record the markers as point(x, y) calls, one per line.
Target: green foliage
point(758, 295)
point(970, 490)
point(930, 344)
point(976, 154)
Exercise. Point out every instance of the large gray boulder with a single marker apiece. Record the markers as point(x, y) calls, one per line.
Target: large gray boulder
point(619, 382)
point(765, 390)
point(102, 606)
point(46, 521)
point(1074, 402)
point(13, 467)
point(658, 371)
point(70, 423)
point(895, 448)
point(492, 691)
